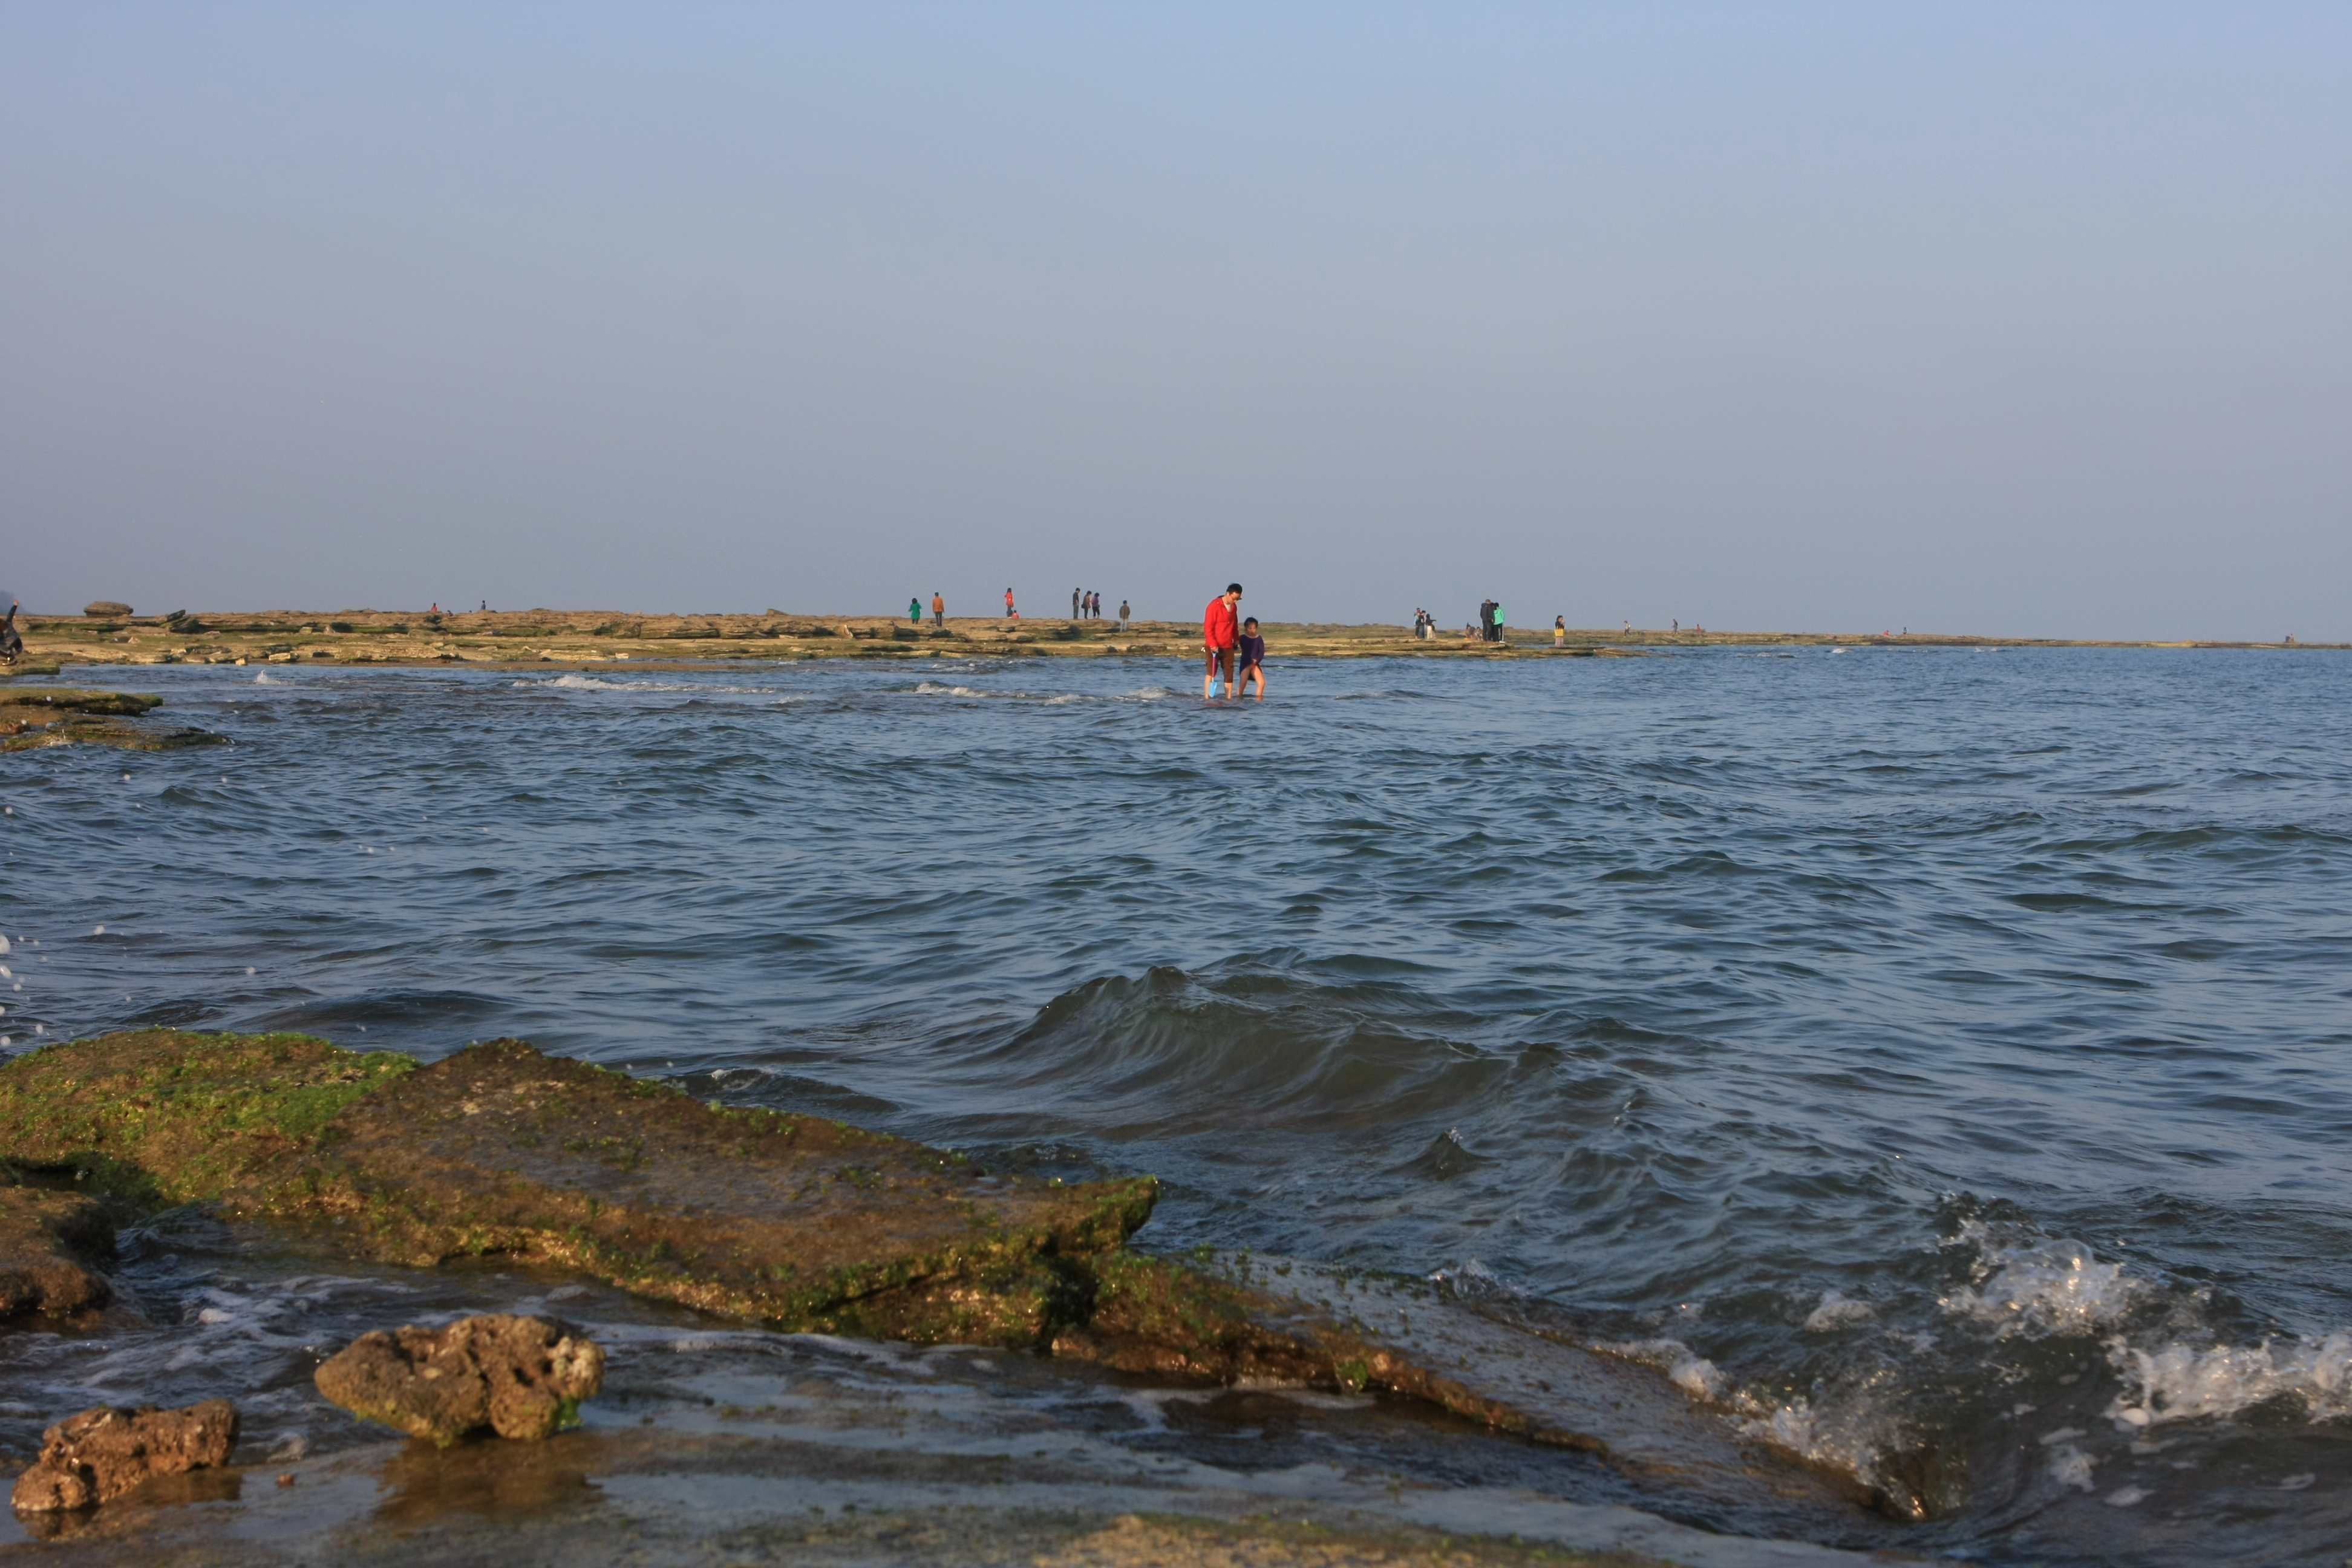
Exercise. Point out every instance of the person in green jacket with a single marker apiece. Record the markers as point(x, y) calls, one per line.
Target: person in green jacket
point(915, 611)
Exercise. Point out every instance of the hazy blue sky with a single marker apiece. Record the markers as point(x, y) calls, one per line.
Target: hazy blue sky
point(2019, 318)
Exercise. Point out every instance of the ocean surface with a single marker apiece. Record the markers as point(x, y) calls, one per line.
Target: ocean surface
point(1939, 1058)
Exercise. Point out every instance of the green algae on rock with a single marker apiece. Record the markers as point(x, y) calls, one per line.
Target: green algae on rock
point(798, 1222)
point(151, 1118)
point(793, 1220)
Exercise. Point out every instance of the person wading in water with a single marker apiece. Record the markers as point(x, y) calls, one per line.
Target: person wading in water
point(1220, 631)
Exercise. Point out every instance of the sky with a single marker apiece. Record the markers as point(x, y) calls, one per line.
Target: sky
point(2023, 320)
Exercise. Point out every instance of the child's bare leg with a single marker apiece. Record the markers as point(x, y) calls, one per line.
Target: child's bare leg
point(1255, 672)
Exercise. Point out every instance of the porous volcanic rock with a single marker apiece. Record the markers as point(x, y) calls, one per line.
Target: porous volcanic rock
point(47, 1241)
point(520, 1377)
point(106, 1450)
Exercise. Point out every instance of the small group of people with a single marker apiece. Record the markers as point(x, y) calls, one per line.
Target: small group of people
point(1425, 625)
point(1236, 652)
point(1490, 620)
point(939, 609)
point(1087, 605)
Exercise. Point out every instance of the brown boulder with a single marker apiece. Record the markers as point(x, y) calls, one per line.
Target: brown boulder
point(105, 1451)
point(108, 607)
point(45, 1242)
point(521, 1377)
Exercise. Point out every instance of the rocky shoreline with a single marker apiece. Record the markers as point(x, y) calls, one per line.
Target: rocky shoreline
point(793, 1223)
point(574, 637)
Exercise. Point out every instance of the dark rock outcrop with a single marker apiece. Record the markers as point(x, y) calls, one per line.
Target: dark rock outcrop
point(47, 1243)
point(103, 1452)
point(520, 1377)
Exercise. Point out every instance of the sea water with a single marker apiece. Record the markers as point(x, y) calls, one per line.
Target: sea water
point(1918, 1059)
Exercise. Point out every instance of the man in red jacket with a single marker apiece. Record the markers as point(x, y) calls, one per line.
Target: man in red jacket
point(1220, 631)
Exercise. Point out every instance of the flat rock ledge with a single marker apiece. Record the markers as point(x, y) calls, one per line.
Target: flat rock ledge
point(800, 1223)
point(105, 1451)
point(35, 716)
point(519, 1377)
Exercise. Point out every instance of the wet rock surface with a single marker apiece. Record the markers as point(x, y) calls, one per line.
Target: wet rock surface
point(797, 1222)
point(521, 1377)
point(36, 716)
point(106, 1451)
point(49, 1243)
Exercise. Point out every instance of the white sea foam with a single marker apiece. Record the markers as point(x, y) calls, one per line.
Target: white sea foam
point(2047, 1286)
point(1470, 1278)
point(2185, 1383)
point(261, 677)
point(2070, 1467)
point(574, 682)
point(1835, 1312)
point(1684, 1368)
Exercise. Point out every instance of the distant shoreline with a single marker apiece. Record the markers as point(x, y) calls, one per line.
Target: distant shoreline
point(582, 639)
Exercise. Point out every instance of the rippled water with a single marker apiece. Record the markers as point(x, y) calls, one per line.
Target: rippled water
point(1928, 1058)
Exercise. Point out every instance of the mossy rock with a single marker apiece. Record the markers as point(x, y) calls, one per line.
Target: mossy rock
point(156, 1117)
point(124, 704)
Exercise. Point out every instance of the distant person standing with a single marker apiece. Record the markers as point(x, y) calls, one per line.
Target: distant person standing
point(1219, 632)
point(1122, 615)
point(938, 609)
point(11, 642)
point(1498, 621)
point(1074, 604)
point(1009, 612)
point(1559, 631)
point(914, 610)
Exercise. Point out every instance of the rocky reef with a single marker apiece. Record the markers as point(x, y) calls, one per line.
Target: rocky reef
point(795, 1222)
point(35, 716)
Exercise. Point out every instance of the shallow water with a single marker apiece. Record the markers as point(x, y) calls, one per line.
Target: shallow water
point(1910, 1053)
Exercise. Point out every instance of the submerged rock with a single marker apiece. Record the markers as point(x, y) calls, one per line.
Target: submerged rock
point(47, 1243)
point(105, 1451)
point(35, 716)
point(520, 1377)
